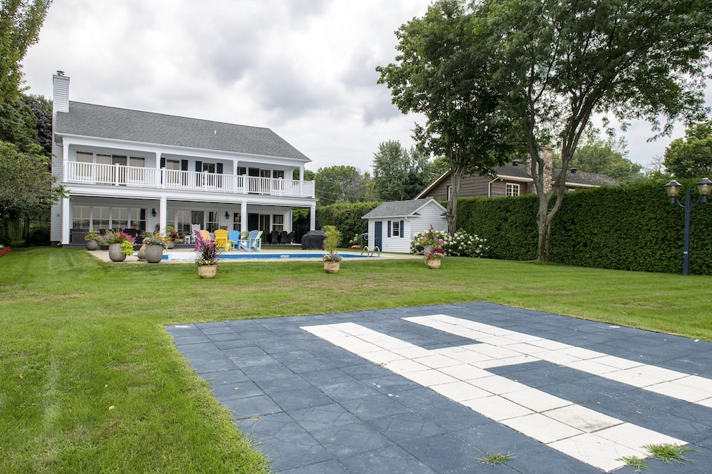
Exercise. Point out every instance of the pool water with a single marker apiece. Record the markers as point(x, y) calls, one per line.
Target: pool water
point(260, 256)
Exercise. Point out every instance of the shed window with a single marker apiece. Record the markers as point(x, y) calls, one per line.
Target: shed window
point(512, 189)
point(396, 229)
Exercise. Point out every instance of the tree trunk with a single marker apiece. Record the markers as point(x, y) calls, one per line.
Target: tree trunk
point(543, 224)
point(451, 214)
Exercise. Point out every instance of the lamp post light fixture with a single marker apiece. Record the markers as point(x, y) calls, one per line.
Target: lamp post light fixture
point(704, 186)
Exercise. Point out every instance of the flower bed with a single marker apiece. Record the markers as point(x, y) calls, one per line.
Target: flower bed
point(5, 250)
point(461, 244)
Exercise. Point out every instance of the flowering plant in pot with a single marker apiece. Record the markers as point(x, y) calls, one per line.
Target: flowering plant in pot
point(206, 258)
point(93, 240)
point(155, 243)
point(434, 258)
point(331, 258)
point(120, 245)
point(171, 236)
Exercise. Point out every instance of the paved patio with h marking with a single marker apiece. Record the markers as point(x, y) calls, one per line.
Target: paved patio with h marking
point(432, 389)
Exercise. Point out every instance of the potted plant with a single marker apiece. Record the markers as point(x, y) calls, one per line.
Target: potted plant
point(435, 257)
point(171, 236)
point(207, 254)
point(155, 243)
point(331, 258)
point(93, 239)
point(431, 240)
point(120, 245)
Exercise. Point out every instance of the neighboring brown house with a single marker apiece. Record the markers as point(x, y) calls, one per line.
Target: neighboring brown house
point(512, 180)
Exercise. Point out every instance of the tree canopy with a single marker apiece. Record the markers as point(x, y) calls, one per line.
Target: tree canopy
point(400, 174)
point(561, 61)
point(442, 73)
point(20, 23)
point(341, 184)
point(691, 157)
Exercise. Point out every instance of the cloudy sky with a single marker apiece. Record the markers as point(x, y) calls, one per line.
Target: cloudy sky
point(304, 68)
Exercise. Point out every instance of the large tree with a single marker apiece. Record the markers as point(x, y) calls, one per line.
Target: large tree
point(398, 173)
point(341, 184)
point(26, 184)
point(20, 23)
point(632, 59)
point(691, 157)
point(441, 73)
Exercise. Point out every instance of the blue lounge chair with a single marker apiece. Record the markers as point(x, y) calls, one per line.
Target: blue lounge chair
point(233, 237)
point(254, 242)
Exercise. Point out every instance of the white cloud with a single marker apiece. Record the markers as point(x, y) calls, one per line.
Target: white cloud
point(305, 68)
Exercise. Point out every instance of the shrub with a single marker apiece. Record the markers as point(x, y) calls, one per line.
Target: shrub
point(462, 244)
point(346, 217)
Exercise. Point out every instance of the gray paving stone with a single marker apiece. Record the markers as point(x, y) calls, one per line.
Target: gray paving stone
point(225, 377)
point(236, 390)
point(351, 439)
point(327, 467)
point(407, 426)
point(302, 398)
point(254, 406)
point(444, 453)
point(374, 406)
point(323, 416)
point(391, 460)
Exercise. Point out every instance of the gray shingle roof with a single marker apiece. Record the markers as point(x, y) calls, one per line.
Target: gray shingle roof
point(398, 208)
point(148, 127)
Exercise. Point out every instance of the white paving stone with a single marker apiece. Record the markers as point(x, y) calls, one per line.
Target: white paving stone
point(582, 418)
point(412, 352)
point(636, 437)
point(591, 367)
point(405, 366)
point(706, 403)
point(541, 428)
point(700, 383)
point(632, 377)
point(428, 378)
point(536, 400)
point(465, 372)
point(596, 451)
point(460, 391)
point(557, 357)
point(497, 384)
point(497, 408)
point(678, 390)
point(381, 357)
point(618, 362)
point(437, 361)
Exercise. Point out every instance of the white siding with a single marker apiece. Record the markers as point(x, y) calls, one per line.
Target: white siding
point(396, 244)
point(429, 215)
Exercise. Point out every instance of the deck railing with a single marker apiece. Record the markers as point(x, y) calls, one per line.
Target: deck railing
point(132, 176)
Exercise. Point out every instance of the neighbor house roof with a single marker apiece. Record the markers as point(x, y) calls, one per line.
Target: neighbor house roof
point(147, 127)
point(521, 172)
point(400, 208)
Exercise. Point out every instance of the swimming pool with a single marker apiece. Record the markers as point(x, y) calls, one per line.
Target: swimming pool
point(185, 256)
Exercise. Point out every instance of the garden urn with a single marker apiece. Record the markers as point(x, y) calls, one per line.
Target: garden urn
point(154, 253)
point(434, 263)
point(115, 253)
point(331, 267)
point(207, 271)
point(92, 245)
point(142, 252)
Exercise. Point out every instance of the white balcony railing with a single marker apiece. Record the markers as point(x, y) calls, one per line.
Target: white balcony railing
point(132, 176)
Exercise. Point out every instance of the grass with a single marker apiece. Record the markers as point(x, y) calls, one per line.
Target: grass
point(80, 336)
point(496, 458)
point(635, 462)
point(668, 453)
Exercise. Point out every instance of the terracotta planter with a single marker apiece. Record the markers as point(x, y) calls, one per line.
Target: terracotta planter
point(331, 267)
point(142, 253)
point(434, 263)
point(92, 245)
point(154, 253)
point(115, 253)
point(207, 271)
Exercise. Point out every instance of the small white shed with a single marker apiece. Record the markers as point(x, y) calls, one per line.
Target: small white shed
point(392, 224)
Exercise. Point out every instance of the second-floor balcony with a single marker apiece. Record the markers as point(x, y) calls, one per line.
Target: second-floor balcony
point(132, 176)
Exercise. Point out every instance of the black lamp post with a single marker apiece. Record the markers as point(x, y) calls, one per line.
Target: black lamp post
point(673, 189)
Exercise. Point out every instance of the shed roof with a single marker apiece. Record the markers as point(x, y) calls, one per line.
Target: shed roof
point(401, 208)
point(148, 127)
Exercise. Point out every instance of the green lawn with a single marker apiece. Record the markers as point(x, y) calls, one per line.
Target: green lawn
point(78, 336)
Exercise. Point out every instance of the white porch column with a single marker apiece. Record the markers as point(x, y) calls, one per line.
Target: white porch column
point(301, 173)
point(312, 217)
point(66, 221)
point(243, 217)
point(162, 214)
point(289, 225)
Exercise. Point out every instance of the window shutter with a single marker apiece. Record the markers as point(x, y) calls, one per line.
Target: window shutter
point(163, 162)
point(389, 228)
point(184, 165)
point(198, 166)
point(219, 168)
point(402, 229)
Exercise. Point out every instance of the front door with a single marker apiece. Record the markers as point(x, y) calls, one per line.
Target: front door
point(378, 231)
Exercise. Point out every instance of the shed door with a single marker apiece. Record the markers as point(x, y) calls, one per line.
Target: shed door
point(378, 231)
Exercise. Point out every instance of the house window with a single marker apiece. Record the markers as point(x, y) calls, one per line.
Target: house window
point(137, 219)
point(103, 159)
point(449, 192)
point(278, 222)
point(396, 229)
point(208, 167)
point(137, 162)
point(84, 171)
point(213, 223)
point(183, 221)
point(241, 170)
point(85, 157)
point(512, 189)
point(119, 218)
point(100, 218)
point(80, 217)
point(265, 173)
point(278, 174)
point(236, 221)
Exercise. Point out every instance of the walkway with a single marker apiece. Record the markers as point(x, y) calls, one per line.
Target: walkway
point(432, 389)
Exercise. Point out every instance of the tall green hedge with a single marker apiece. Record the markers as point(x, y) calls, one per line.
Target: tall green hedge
point(346, 217)
point(10, 231)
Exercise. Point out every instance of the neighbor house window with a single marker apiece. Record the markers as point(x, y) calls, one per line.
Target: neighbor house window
point(396, 229)
point(449, 192)
point(278, 222)
point(512, 189)
point(80, 217)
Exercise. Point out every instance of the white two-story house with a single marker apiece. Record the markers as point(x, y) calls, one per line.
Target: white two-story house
point(142, 170)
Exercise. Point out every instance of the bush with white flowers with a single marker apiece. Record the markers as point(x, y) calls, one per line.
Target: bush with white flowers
point(461, 244)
